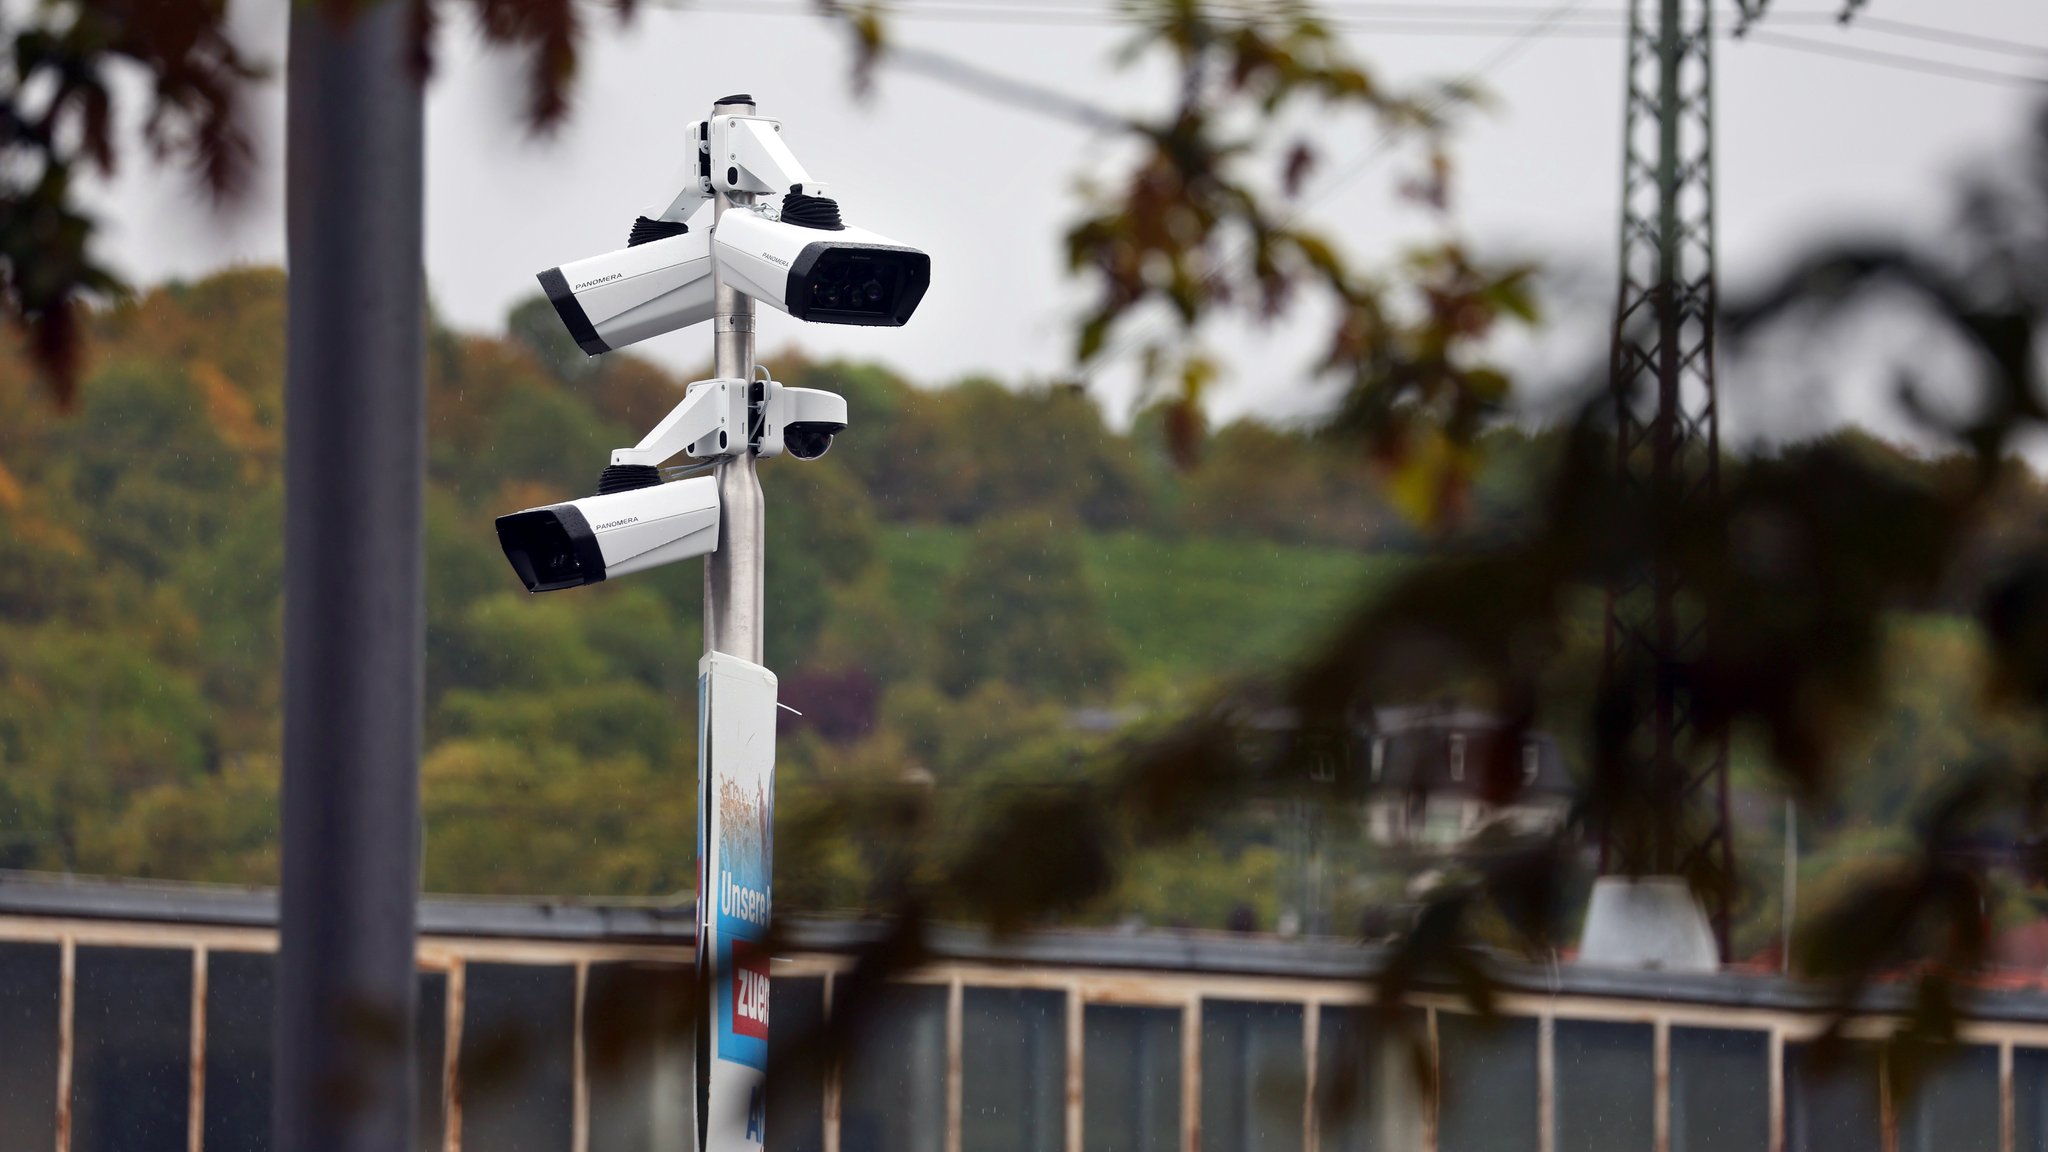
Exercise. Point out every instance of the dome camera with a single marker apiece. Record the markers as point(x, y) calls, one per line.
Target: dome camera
point(800, 421)
point(810, 441)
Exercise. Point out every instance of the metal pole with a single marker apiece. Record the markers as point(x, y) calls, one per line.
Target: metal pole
point(354, 626)
point(734, 588)
point(734, 574)
point(1788, 915)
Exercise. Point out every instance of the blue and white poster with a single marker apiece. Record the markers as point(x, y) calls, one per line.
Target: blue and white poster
point(735, 828)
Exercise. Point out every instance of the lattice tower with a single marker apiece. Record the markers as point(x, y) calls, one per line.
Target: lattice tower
point(1668, 440)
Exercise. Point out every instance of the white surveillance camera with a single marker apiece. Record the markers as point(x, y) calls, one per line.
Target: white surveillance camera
point(599, 537)
point(659, 283)
point(820, 270)
point(800, 421)
point(797, 255)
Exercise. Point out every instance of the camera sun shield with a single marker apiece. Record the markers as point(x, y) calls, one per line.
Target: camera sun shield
point(551, 548)
point(624, 297)
point(590, 540)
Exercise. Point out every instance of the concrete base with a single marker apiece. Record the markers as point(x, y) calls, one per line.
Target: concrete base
point(1653, 923)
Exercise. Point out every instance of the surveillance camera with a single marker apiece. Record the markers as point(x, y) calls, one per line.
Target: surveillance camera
point(809, 441)
point(593, 539)
point(659, 283)
point(824, 272)
point(800, 421)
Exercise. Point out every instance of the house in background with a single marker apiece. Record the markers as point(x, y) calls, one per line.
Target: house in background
point(1439, 776)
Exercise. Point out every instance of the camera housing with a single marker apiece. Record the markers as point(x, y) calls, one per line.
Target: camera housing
point(596, 538)
point(627, 296)
point(799, 421)
point(825, 275)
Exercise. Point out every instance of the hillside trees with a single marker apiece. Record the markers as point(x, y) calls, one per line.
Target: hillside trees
point(943, 641)
point(67, 110)
point(1020, 612)
point(140, 546)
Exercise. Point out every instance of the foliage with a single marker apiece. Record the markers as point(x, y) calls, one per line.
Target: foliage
point(1178, 606)
point(1193, 232)
point(140, 555)
point(1019, 611)
point(1797, 572)
point(60, 104)
point(549, 753)
point(140, 636)
point(58, 118)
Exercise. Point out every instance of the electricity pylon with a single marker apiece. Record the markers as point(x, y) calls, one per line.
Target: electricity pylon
point(1668, 445)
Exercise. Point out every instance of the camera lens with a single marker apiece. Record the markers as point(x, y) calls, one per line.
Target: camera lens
point(869, 284)
point(807, 442)
point(543, 553)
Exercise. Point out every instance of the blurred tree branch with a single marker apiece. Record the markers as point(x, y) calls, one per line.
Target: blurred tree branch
point(1749, 12)
point(57, 117)
point(59, 122)
point(1192, 230)
point(1196, 232)
point(1796, 565)
point(1799, 564)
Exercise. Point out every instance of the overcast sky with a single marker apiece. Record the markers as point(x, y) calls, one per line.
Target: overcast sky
point(1809, 146)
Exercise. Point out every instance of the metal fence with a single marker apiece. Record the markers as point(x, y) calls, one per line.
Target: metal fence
point(138, 1035)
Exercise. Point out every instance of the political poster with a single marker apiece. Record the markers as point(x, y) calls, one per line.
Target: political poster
point(736, 852)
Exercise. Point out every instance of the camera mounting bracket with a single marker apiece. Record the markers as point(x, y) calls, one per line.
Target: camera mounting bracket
point(711, 421)
point(746, 154)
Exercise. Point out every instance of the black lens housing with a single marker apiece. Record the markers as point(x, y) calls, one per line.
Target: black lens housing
point(809, 440)
point(551, 548)
point(571, 311)
point(878, 285)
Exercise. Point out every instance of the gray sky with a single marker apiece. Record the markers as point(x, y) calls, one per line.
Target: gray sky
point(1809, 147)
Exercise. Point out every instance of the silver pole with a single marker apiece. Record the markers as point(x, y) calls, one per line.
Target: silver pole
point(734, 587)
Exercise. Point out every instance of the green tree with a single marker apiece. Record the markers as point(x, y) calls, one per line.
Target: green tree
point(1021, 610)
point(534, 324)
point(821, 537)
point(1258, 481)
point(516, 818)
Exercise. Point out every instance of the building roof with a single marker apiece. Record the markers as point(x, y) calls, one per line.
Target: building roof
point(218, 905)
point(1215, 953)
point(1416, 750)
point(1412, 743)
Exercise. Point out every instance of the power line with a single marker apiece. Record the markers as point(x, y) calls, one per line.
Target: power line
point(1500, 58)
point(1568, 19)
point(1480, 21)
point(1450, 17)
point(1511, 15)
point(1517, 13)
point(1897, 60)
point(1934, 35)
point(1475, 19)
point(1003, 89)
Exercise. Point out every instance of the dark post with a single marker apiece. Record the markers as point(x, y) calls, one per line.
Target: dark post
point(354, 579)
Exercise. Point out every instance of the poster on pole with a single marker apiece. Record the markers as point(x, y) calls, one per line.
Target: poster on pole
point(735, 856)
